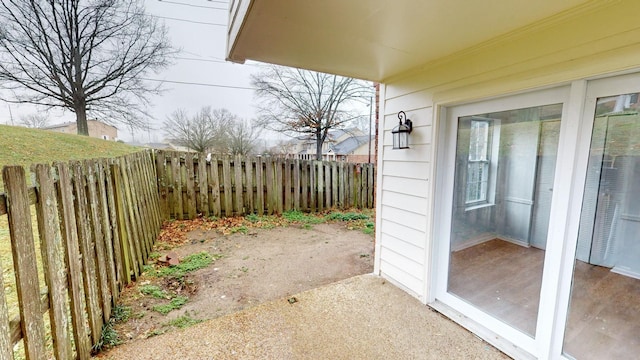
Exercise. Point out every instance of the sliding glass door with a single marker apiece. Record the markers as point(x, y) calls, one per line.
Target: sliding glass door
point(538, 219)
point(604, 312)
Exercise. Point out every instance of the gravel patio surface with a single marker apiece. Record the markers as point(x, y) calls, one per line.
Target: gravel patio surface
point(364, 317)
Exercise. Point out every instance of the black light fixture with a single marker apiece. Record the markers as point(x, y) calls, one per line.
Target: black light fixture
point(401, 132)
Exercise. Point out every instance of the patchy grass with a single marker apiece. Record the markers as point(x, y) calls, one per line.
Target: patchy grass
point(189, 264)
point(121, 313)
point(154, 291)
point(298, 217)
point(175, 304)
point(184, 321)
point(174, 231)
point(110, 336)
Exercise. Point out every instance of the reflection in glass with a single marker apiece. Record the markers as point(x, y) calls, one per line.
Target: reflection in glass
point(604, 313)
point(505, 163)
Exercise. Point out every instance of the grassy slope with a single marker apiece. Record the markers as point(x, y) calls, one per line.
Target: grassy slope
point(22, 146)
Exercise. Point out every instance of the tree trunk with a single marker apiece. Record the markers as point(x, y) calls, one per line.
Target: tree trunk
point(81, 119)
point(319, 146)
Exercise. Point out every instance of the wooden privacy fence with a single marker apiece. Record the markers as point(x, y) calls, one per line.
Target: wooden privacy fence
point(96, 221)
point(190, 184)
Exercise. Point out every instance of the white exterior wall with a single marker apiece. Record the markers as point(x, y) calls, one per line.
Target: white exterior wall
point(601, 40)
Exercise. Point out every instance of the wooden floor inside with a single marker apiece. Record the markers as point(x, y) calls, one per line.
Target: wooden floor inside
point(503, 279)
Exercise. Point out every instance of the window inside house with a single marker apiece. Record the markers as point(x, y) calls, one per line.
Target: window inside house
point(479, 161)
point(504, 172)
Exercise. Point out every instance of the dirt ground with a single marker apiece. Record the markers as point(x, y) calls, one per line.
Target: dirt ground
point(256, 267)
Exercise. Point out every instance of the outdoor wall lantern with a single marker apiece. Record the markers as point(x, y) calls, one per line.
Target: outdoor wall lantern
point(401, 132)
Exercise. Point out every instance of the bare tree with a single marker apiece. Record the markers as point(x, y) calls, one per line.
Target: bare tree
point(307, 102)
point(243, 137)
point(86, 56)
point(35, 121)
point(205, 131)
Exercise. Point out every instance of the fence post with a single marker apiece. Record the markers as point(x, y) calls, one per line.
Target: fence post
point(24, 255)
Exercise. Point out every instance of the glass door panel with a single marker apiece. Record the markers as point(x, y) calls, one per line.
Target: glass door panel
point(504, 171)
point(604, 312)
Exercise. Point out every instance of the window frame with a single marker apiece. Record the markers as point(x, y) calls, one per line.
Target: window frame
point(492, 142)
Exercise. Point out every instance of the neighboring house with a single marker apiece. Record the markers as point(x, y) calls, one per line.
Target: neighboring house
point(514, 212)
point(350, 145)
point(97, 129)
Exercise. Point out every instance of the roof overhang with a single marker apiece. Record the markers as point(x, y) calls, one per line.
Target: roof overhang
point(374, 39)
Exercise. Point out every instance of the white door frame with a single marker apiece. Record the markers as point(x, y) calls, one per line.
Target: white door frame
point(579, 101)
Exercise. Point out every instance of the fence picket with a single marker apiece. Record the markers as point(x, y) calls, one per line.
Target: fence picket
point(249, 207)
point(190, 202)
point(313, 176)
point(279, 184)
point(24, 255)
point(259, 187)
point(287, 185)
point(107, 230)
point(237, 184)
point(328, 193)
point(52, 260)
point(203, 195)
point(126, 233)
point(90, 276)
point(270, 185)
point(226, 188)
point(163, 183)
point(73, 261)
point(98, 239)
point(214, 181)
point(304, 184)
point(176, 177)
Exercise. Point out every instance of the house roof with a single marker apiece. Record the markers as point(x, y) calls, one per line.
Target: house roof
point(349, 145)
point(380, 39)
point(69, 123)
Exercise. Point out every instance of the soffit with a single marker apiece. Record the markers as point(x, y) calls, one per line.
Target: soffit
point(376, 39)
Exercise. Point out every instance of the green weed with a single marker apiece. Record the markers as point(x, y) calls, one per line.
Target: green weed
point(296, 216)
point(175, 304)
point(184, 321)
point(190, 263)
point(109, 338)
point(156, 332)
point(252, 218)
point(350, 216)
point(240, 229)
point(121, 313)
point(154, 291)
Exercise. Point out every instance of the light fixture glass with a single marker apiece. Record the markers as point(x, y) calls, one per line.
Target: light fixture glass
point(401, 132)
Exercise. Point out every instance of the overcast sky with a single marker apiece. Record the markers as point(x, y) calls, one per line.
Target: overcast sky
point(199, 77)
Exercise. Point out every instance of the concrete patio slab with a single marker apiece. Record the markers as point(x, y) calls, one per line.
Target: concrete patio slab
point(363, 317)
